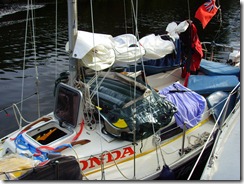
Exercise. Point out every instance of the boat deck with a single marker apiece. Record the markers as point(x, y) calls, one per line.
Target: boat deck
point(161, 80)
point(170, 148)
point(119, 154)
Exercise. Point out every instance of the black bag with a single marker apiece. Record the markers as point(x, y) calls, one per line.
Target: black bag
point(58, 168)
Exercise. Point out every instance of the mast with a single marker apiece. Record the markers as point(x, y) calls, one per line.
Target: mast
point(72, 32)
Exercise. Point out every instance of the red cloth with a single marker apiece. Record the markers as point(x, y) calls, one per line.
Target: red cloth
point(197, 48)
point(186, 79)
point(196, 56)
point(206, 11)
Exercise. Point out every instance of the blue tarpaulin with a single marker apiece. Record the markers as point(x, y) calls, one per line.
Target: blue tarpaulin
point(190, 105)
point(216, 68)
point(205, 84)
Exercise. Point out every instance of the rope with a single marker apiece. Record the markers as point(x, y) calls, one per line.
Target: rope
point(116, 165)
point(164, 162)
point(15, 107)
point(21, 101)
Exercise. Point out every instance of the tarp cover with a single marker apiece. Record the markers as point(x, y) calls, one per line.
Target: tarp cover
point(190, 105)
point(216, 68)
point(205, 84)
point(118, 104)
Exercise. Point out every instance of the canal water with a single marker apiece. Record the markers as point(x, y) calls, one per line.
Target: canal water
point(109, 16)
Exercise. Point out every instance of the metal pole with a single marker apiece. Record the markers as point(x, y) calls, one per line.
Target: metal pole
point(183, 139)
point(72, 33)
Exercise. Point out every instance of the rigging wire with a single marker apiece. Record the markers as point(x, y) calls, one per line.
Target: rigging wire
point(56, 41)
point(15, 108)
point(218, 33)
point(21, 101)
point(29, 8)
point(188, 8)
point(24, 61)
point(135, 16)
point(134, 92)
point(98, 103)
point(125, 16)
point(35, 58)
point(134, 13)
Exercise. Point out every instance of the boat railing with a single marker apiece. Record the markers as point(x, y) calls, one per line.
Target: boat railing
point(218, 52)
point(216, 125)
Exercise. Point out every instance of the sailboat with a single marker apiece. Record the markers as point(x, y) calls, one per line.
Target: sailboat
point(122, 125)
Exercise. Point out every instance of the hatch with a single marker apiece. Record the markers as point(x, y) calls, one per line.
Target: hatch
point(68, 112)
point(68, 105)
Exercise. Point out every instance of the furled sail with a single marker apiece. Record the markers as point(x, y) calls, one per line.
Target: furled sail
point(101, 51)
point(127, 48)
point(156, 47)
point(95, 50)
